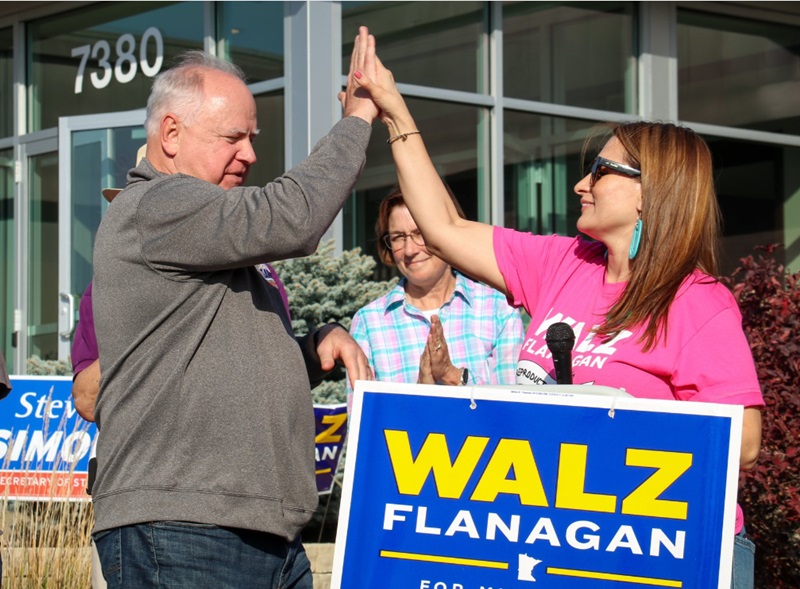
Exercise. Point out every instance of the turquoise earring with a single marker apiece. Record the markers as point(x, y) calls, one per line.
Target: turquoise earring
point(637, 237)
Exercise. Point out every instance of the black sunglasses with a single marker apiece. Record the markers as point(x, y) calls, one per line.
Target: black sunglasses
point(601, 162)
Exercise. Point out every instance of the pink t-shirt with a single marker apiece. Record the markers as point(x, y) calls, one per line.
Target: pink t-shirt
point(705, 356)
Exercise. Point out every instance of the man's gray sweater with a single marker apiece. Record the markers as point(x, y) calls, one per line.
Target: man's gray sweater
point(205, 411)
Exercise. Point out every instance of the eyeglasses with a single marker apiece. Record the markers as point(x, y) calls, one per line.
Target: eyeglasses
point(397, 241)
point(600, 162)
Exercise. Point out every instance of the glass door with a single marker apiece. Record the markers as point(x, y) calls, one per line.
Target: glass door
point(95, 152)
point(35, 335)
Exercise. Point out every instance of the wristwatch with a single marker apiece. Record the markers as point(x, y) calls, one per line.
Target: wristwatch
point(464, 377)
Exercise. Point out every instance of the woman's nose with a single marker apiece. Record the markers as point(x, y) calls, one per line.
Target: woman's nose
point(409, 245)
point(584, 185)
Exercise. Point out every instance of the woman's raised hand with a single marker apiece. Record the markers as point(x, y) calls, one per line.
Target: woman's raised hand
point(356, 101)
point(370, 75)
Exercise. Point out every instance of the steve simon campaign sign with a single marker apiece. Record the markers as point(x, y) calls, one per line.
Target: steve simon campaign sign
point(501, 487)
point(45, 445)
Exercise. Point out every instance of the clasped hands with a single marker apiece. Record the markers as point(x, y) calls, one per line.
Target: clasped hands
point(435, 365)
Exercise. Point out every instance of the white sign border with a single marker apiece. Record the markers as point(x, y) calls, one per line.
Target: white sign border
point(579, 395)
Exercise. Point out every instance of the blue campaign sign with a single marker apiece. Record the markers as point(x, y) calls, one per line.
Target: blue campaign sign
point(331, 425)
point(459, 488)
point(44, 443)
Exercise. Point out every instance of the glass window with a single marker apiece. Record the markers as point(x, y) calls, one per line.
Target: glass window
point(6, 82)
point(251, 36)
point(572, 53)
point(451, 134)
point(6, 253)
point(542, 164)
point(269, 142)
point(426, 43)
point(103, 58)
point(758, 187)
point(738, 72)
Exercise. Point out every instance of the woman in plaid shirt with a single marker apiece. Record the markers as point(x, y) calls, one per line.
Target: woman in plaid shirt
point(437, 325)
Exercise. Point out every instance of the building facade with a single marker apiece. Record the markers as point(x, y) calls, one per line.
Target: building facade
point(505, 94)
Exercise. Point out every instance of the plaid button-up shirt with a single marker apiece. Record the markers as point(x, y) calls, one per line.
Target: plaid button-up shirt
point(483, 333)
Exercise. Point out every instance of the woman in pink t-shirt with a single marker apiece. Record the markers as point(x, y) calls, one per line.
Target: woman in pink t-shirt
point(643, 298)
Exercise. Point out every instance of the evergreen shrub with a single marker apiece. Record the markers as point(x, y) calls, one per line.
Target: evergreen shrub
point(37, 367)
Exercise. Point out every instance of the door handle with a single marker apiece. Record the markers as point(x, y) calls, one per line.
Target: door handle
point(67, 307)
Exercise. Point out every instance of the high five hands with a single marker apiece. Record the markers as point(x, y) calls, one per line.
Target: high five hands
point(369, 81)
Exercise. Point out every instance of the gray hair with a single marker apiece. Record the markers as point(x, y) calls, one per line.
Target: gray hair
point(180, 88)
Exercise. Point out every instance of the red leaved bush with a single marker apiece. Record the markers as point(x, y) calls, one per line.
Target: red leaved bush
point(769, 298)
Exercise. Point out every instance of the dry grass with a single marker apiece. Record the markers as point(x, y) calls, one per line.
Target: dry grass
point(45, 543)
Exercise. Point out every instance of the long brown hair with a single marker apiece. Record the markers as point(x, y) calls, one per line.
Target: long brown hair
point(680, 224)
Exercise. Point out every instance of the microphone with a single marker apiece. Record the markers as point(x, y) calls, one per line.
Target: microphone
point(560, 339)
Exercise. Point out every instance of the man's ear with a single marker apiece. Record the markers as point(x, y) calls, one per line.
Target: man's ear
point(170, 130)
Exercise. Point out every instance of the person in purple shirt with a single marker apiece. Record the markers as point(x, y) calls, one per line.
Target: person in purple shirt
point(85, 362)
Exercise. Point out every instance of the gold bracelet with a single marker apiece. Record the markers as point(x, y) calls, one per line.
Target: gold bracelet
point(402, 136)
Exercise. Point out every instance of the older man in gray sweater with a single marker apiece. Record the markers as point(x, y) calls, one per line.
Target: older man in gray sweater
point(206, 446)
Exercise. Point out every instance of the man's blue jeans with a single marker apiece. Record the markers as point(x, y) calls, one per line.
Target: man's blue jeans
point(182, 555)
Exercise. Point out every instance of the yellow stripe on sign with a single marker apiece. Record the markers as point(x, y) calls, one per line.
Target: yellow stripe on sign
point(471, 562)
point(323, 471)
point(614, 577)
